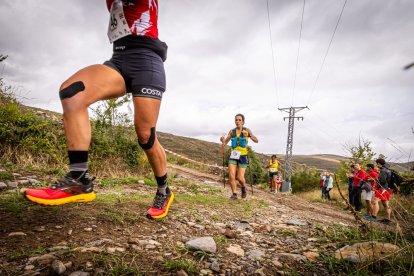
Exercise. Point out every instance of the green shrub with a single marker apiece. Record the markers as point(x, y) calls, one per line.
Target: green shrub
point(113, 148)
point(305, 181)
point(25, 130)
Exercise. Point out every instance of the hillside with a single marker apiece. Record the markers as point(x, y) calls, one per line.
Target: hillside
point(210, 153)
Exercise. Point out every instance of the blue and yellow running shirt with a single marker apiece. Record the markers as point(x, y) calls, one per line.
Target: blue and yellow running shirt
point(273, 166)
point(239, 146)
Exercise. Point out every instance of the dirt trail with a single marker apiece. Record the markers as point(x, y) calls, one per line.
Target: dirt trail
point(253, 236)
point(318, 212)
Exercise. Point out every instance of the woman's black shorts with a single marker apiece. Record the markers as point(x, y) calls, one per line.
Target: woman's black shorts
point(142, 70)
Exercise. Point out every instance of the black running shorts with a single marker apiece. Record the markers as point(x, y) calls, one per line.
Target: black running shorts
point(142, 70)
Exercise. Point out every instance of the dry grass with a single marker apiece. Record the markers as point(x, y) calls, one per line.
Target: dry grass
point(110, 167)
point(316, 196)
point(23, 158)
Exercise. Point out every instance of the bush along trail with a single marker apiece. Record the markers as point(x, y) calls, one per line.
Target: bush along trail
point(204, 234)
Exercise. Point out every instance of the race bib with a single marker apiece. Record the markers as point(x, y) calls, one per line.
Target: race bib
point(235, 154)
point(118, 26)
point(272, 170)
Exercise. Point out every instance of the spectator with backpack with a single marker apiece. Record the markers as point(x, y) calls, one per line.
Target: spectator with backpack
point(383, 192)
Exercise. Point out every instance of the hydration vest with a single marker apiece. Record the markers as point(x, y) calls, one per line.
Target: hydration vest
point(240, 141)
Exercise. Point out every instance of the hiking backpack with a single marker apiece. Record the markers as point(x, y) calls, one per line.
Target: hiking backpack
point(394, 180)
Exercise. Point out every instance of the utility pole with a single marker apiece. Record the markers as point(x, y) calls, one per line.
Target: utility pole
point(288, 161)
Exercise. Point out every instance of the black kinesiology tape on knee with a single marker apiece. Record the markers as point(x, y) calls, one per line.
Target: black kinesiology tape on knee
point(150, 142)
point(71, 90)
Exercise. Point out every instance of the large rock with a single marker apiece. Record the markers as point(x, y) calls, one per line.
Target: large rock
point(58, 267)
point(79, 273)
point(296, 222)
point(16, 234)
point(228, 233)
point(3, 186)
point(289, 257)
point(365, 251)
point(255, 254)
point(236, 249)
point(311, 256)
point(203, 243)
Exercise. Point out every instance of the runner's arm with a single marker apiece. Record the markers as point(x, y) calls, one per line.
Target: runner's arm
point(252, 136)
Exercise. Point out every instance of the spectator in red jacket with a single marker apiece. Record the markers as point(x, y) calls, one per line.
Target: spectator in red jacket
point(356, 189)
point(370, 187)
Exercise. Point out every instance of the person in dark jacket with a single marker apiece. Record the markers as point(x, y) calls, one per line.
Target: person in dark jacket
point(383, 194)
point(350, 182)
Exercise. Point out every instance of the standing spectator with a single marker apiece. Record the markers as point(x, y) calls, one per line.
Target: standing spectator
point(383, 193)
point(328, 185)
point(356, 189)
point(370, 187)
point(350, 183)
point(322, 182)
point(322, 179)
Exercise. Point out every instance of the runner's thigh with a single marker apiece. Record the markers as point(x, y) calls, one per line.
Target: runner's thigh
point(100, 81)
point(146, 112)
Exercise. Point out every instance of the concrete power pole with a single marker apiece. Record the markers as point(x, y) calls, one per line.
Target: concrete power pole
point(286, 187)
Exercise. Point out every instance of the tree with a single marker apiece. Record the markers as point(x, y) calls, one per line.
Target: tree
point(108, 115)
point(361, 153)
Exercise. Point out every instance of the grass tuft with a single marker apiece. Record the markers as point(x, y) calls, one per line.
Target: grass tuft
point(188, 266)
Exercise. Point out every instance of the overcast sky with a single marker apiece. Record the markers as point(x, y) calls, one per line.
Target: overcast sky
point(220, 63)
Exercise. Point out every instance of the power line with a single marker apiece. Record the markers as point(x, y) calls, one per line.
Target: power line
point(327, 51)
point(271, 47)
point(297, 57)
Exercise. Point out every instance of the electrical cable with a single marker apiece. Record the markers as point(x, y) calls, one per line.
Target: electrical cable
point(273, 56)
point(327, 51)
point(297, 57)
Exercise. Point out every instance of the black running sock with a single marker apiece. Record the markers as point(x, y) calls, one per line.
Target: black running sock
point(162, 184)
point(78, 165)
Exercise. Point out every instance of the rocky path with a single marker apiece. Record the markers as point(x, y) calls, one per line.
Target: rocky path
point(204, 234)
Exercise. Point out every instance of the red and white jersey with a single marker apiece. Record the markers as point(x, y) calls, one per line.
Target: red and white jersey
point(129, 17)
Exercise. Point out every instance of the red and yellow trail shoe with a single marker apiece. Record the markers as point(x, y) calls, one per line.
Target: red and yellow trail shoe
point(66, 190)
point(161, 205)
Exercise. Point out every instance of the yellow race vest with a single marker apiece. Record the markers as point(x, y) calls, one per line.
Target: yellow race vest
point(273, 167)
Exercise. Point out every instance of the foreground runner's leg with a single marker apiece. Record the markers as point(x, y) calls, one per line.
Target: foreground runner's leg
point(87, 86)
point(146, 112)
